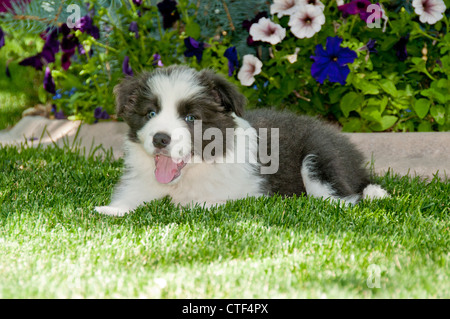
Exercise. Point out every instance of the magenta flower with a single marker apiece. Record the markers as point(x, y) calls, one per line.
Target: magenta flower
point(356, 7)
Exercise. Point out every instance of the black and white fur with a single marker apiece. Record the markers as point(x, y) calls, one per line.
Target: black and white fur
point(314, 158)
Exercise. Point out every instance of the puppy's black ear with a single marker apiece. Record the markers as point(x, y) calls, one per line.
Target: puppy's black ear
point(226, 93)
point(127, 92)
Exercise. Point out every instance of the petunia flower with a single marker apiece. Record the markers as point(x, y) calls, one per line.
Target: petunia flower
point(267, 31)
point(169, 12)
point(2, 38)
point(49, 83)
point(400, 48)
point(134, 28)
point(51, 46)
point(137, 2)
point(354, 7)
point(307, 21)
point(247, 24)
point(35, 61)
point(429, 11)
point(86, 25)
point(193, 48)
point(332, 62)
point(251, 66)
point(126, 68)
point(231, 55)
point(284, 7)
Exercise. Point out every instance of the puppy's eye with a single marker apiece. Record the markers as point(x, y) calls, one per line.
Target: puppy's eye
point(190, 118)
point(151, 114)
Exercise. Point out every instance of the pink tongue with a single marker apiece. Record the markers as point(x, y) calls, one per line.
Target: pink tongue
point(165, 169)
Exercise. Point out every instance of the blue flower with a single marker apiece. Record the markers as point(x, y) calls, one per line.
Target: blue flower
point(370, 46)
point(126, 68)
point(193, 48)
point(332, 62)
point(231, 55)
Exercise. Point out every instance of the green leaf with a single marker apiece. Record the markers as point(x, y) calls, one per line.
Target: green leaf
point(353, 124)
point(42, 95)
point(421, 107)
point(388, 87)
point(424, 127)
point(385, 123)
point(193, 30)
point(351, 102)
point(438, 113)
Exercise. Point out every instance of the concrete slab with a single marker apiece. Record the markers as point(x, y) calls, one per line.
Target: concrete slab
point(423, 154)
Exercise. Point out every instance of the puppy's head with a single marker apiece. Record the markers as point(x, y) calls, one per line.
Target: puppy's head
point(169, 110)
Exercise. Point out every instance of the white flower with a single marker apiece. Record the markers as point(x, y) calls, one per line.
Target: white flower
point(292, 58)
point(251, 66)
point(315, 3)
point(307, 21)
point(283, 7)
point(267, 31)
point(430, 11)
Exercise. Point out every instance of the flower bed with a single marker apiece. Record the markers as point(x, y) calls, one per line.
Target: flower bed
point(380, 66)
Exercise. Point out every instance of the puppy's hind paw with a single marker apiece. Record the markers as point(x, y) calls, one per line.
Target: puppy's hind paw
point(111, 211)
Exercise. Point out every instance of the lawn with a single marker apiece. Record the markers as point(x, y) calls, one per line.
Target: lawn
point(53, 245)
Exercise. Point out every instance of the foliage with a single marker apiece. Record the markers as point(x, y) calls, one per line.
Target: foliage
point(399, 79)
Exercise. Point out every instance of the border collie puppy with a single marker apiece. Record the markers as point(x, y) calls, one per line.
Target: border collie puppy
point(183, 142)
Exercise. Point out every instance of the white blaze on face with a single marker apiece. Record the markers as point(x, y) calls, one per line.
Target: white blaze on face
point(170, 89)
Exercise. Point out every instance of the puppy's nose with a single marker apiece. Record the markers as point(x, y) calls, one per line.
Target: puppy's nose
point(161, 140)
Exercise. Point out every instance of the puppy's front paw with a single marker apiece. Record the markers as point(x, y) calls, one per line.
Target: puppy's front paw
point(111, 211)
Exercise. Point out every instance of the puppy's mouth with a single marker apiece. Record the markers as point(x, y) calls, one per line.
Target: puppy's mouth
point(167, 169)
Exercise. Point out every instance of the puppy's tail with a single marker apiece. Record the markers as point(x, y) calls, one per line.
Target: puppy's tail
point(373, 191)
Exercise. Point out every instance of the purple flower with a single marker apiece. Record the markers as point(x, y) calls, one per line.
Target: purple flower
point(157, 60)
point(134, 28)
point(193, 48)
point(35, 61)
point(126, 68)
point(247, 24)
point(231, 55)
point(169, 12)
point(355, 7)
point(100, 114)
point(2, 38)
point(400, 48)
point(49, 84)
point(85, 25)
point(370, 46)
point(137, 2)
point(58, 115)
point(332, 62)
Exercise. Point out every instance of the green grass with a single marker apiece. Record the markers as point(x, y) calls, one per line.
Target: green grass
point(53, 245)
